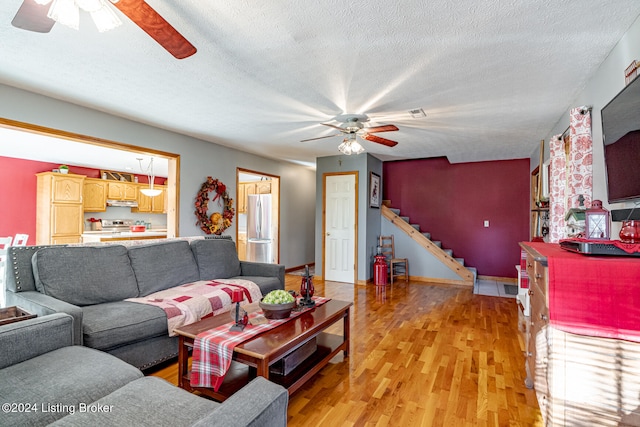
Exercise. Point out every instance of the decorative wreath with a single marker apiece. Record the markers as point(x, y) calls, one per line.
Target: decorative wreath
point(217, 222)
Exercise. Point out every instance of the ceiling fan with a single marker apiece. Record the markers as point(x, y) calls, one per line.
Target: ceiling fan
point(37, 15)
point(354, 126)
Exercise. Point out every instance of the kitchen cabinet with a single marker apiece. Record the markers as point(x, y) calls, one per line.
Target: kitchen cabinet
point(242, 246)
point(247, 188)
point(155, 204)
point(119, 190)
point(95, 195)
point(59, 208)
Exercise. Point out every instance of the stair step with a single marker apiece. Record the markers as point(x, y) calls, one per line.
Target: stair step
point(405, 218)
point(427, 235)
point(448, 251)
point(395, 211)
point(438, 243)
point(416, 226)
point(460, 260)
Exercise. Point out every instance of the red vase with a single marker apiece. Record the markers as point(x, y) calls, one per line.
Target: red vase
point(630, 232)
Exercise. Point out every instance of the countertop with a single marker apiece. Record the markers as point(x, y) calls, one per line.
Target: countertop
point(97, 236)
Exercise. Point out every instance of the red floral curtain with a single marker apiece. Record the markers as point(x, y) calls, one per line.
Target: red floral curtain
point(571, 171)
point(557, 187)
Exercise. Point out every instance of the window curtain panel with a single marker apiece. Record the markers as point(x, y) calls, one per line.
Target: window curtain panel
point(557, 186)
point(571, 171)
point(580, 162)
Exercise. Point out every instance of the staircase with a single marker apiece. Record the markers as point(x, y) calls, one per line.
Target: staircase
point(467, 275)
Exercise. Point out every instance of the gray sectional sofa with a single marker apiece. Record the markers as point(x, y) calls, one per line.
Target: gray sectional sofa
point(45, 379)
point(90, 283)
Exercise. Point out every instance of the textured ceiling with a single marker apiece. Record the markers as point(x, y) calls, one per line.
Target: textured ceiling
point(492, 76)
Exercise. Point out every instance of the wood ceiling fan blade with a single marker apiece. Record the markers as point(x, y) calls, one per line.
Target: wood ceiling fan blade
point(33, 17)
point(377, 139)
point(343, 130)
point(145, 17)
point(383, 128)
point(320, 137)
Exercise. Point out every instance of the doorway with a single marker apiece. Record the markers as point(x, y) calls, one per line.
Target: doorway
point(89, 144)
point(258, 216)
point(340, 226)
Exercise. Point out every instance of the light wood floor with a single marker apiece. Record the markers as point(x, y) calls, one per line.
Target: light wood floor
point(421, 355)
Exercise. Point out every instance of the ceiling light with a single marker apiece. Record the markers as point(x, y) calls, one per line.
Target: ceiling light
point(151, 192)
point(67, 12)
point(350, 146)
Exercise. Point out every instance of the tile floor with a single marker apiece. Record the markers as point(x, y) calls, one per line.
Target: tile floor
point(493, 288)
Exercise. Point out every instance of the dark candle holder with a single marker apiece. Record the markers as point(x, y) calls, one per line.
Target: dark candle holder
point(241, 319)
point(307, 289)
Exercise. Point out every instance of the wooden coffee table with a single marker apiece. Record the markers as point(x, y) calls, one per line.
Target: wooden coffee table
point(256, 355)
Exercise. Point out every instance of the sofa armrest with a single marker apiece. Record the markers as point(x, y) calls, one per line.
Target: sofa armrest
point(26, 339)
point(36, 303)
point(249, 268)
point(259, 403)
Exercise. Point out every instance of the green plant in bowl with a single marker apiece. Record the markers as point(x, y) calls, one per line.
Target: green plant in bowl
point(277, 304)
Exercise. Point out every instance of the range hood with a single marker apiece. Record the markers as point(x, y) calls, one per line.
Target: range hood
point(125, 203)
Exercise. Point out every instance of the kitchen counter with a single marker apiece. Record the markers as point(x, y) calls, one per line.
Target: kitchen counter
point(110, 236)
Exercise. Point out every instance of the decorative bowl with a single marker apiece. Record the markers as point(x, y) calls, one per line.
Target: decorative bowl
point(277, 311)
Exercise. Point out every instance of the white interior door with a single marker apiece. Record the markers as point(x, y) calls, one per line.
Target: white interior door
point(340, 228)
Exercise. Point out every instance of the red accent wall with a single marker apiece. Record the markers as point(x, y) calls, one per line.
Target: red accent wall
point(452, 201)
point(18, 193)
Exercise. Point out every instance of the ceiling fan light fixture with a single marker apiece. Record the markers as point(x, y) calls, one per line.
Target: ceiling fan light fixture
point(66, 13)
point(350, 146)
point(105, 18)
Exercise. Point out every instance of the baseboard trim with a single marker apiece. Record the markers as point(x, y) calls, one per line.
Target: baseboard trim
point(436, 280)
point(288, 270)
point(500, 279)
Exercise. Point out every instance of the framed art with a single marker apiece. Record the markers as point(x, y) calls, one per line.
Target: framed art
point(374, 190)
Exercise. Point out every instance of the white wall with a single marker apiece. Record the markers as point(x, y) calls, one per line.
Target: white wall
point(199, 159)
point(601, 88)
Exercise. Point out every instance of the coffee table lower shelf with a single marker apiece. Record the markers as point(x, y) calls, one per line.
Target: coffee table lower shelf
point(239, 374)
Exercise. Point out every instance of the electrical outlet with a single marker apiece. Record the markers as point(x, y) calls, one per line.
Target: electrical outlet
point(486, 223)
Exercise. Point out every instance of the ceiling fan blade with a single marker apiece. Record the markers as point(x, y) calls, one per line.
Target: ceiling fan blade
point(33, 17)
point(383, 141)
point(320, 137)
point(145, 17)
point(383, 128)
point(343, 130)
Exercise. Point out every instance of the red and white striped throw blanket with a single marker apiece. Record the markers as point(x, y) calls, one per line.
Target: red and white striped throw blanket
point(213, 349)
point(191, 302)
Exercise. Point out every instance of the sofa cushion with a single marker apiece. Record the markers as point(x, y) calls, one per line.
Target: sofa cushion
point(216, 258)
point(148, 401)
point(163, 265)
point(85, 275)
point(59, 380)
point(105, 326)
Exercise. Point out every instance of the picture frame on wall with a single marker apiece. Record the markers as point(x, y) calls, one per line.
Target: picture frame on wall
point(374, 190)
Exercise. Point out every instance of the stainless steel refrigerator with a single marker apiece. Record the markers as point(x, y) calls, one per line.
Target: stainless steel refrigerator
point(259, 238)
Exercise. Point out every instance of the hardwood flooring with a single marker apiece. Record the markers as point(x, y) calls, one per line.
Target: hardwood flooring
point(421, 355)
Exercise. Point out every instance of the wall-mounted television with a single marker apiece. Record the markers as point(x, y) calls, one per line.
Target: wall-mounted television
point(621, 136)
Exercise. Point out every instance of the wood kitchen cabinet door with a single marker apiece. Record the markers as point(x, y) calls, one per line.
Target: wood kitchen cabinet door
point(155, 204)
point(59, 208)
point(263, 187)
point(122, 191)
point(66, 188)
point(95, 195)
